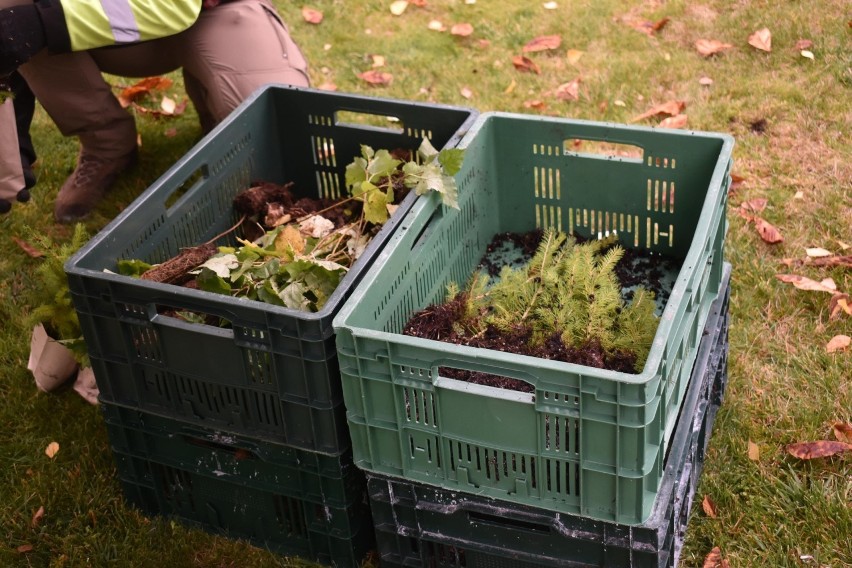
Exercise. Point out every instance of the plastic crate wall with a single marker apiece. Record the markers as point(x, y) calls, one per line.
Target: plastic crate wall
point(602, 434)
point(291, 501)
point(273, 373)
point(420, 525)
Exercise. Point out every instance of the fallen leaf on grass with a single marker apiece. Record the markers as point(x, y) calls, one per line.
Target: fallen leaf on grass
point(461, 30)
point(569, 91)
point(804, 283)
point(709, 507)
point(374, 77)
point(647, 27)
point(542, 43)
point(51, 449)
point(736, 181)
point(804, 44)
point(573, 56)
point(839, 303)
point(708, 47)
point(767, 231)
point(31, 251)
point(714, 559)
point(437, 26)
point(466, 92)
point(817, 252)
point(753, 451)
point(676, 121)
point(756, 205)
point(843, 432)
point(170, 132)
point(312, 16)
point(24, 548)
point(397, 8)
point(671, 108)
point(818, 449)
point(761, 39)
point(378, 61)
point(536, 104)
point(142, 88)
point(327, 86)
point(807, 54)
point(838, 343)
point(705, 81)
point(37, 517)
point(550, 5)
point(168, 105)
point(510, 87)
point(523, 63)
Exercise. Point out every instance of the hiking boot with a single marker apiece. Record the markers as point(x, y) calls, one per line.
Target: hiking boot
point(84, 188)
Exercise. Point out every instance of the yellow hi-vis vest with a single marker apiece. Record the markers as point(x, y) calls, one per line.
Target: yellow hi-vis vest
point(98, 23)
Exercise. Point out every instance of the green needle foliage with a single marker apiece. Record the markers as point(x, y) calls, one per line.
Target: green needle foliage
point(54, 307)
point(569, 289)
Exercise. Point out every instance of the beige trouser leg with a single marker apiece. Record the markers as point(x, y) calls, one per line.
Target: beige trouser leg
point(11, 172)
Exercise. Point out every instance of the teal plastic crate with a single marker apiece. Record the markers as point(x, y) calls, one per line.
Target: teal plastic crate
point(421, 525)
point(291, 501)
point(585, 441)
point(273, 373)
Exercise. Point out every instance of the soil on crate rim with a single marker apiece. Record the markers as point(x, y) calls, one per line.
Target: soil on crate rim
point(636, 267)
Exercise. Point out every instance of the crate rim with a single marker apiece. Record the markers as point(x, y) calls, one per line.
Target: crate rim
point(650, 370)
point(71, 265)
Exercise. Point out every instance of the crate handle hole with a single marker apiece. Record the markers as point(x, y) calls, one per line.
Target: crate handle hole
point(372, 121)
point(494, 520)
point(195, 178)
point(603, 150)
point(192, 316)
point(238, 453)
point(483, 378)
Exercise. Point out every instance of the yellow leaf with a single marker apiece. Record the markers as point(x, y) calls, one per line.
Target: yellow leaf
point(511, 87)
point(807, 54)
point(436, 25)
point(51, 449)
point(168, 105)
point(753, 451)
point(838, 343)
point(550, 5)
point(378, 61)
point(397, 8)
point(573, 56)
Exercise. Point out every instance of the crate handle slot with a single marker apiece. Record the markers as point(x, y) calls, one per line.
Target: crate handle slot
point(427, 229)
point(594, 148)
point(497, 521)
point(190, 182)
point(369, 121)
point(239, 453)
point(510, 390)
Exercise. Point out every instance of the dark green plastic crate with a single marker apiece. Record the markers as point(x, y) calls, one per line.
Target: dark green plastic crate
point(420, 525)
point(603, 433)
point(274, 373)
point(292, 501)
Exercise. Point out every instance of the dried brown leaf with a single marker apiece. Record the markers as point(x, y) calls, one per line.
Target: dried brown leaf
point(542, 43)
point(736, 181)
point(31, 251)
point(37, 517)
point(645, 26)
point(461, 30)
point(805, 283)
point(818, 449)
point(524, 63)
point(311, 16)
point(142, 88)
point(761, 39)
point(569, 91)
point(676, 121)
point(753, 451)
point(840, 303)
point(170, 132)
point(767, 231)
point(713, 559)
point(708, 47)
point(327, 86)
point(843, 432)
point(670, 108)
point(375, 77)
point(709, 507)
point(24, 548)
point(804, 44)
point(536, 104)
point(51, 449)
point(838, 343)
point(756, 205)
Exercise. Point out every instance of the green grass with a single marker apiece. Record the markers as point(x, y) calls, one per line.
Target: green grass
point(783, 386)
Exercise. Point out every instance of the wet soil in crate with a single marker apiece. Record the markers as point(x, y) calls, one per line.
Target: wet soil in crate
point(637, 267)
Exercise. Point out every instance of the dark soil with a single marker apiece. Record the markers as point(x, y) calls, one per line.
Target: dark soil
point(439, 322)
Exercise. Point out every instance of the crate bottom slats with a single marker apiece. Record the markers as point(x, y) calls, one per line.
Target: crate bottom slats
point(421, 525)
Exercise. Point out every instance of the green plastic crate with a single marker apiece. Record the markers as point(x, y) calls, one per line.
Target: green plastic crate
point(587, 441)
point(273, 374)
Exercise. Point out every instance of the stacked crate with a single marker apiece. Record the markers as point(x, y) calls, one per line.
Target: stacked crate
point(587, 449)
point(241, 429)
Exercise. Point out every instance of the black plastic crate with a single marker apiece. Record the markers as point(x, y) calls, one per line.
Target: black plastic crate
point(273, 373)
point(422, 525)
point(285, 499)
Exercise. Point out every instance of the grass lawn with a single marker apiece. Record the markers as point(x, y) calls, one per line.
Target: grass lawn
point(792, 120)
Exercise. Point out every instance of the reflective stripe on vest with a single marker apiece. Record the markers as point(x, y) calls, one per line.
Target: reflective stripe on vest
point(98, 23)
